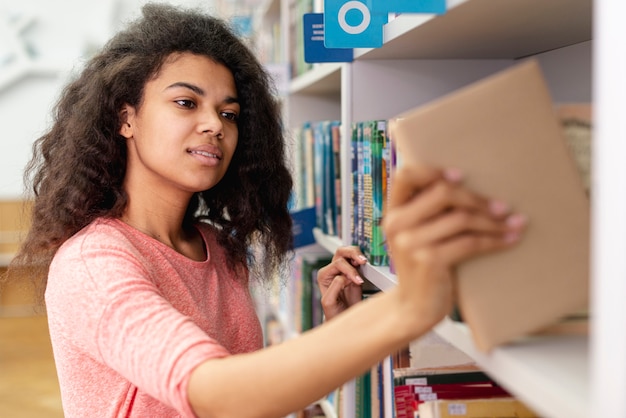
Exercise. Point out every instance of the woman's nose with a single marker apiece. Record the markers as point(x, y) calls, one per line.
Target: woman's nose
point(211, 123)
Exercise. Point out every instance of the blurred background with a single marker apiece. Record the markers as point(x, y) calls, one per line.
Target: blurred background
point(42, 44)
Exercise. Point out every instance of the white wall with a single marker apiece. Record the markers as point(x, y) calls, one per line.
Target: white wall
point(59, 32)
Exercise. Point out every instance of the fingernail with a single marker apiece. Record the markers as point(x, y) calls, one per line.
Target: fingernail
point(362, 258)
point(358, 279)
point(498, 208)
point(453, 174)
point(516, 220)
point(511, 237)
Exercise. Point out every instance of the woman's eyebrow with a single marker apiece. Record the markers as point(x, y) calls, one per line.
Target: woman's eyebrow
point(189, 86)
point(199, 91)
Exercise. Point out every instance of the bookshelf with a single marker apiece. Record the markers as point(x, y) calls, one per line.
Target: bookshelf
point(429, 56)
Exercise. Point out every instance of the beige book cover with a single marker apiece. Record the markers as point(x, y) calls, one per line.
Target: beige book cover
point(502, 132)
point(475, 408)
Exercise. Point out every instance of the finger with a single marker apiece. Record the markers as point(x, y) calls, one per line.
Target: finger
point(352, 294)
point(351, 253)
point(339, 266)
point(332, 294)
point(458, 247)
point(462, 222)
point(408, 180)
point(463, 247)
point(440, 196)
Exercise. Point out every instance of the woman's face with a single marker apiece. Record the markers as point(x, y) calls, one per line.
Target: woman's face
point(184, 134)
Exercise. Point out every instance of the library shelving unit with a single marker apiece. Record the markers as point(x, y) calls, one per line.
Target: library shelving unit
point(426, 56)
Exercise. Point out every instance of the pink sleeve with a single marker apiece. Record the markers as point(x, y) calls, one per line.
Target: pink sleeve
point(123, 321)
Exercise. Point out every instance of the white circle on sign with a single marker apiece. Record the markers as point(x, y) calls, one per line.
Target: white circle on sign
point(352, 5)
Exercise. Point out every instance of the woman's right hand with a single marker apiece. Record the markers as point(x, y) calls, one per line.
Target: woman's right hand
point(432, 224)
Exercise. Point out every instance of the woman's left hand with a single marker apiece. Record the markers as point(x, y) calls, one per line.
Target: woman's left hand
point(339, 281)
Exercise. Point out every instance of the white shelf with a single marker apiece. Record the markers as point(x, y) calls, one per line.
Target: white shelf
point(479, 29)
point(549, 373)
point(331, 243)
point(323, 79)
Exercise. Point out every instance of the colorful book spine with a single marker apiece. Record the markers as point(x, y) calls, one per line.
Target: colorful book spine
point(371, 158)
point(354, 198)
point(367, 201)
point(377, 248)
point(336, 147)
point(318, 175)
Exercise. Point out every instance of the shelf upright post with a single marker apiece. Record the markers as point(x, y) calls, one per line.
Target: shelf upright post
point(608, 310)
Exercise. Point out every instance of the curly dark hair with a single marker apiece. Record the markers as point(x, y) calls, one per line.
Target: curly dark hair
point(78, 166)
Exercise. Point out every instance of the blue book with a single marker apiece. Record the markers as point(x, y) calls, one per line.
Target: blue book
point(303, 223)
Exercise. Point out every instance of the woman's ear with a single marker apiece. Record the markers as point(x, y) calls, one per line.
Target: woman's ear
point(126, 116)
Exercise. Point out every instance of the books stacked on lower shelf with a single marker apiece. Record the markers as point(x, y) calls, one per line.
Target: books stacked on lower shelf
point(463, 393)
point(433, 378)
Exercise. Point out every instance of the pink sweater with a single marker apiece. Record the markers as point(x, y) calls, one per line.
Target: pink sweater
point(130, 318)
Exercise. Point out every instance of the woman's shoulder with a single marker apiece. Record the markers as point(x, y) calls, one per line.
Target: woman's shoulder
point(206, 229)
point(100, 234)
point(216, 251)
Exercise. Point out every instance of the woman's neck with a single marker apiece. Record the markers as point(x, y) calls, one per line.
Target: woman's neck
point(164, 222)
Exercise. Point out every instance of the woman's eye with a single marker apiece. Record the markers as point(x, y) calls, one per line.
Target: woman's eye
point(232, 116)
point(186, 103)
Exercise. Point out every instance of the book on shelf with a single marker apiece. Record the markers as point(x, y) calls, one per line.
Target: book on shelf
point(430, 365)
point(371, 164)
point(304, 292)
point(576, 120)
point(439, 376)
point(357, 176)
point(459, 386)
point(303, 223)
point(479, 390)
point(297, 9)
point(433, 352)
point(317, 171)
point(303, 167)
point(502, 133)
point(504, 407)
point(335, 189)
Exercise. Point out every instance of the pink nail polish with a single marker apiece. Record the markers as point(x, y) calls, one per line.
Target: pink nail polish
point(497, 207)
point(516, 221)
point(453, 175)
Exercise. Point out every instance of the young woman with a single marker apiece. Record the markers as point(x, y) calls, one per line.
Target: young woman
point(161, 187)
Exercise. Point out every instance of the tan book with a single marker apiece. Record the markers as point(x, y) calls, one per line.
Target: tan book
point(475, 408)
point(502, 132)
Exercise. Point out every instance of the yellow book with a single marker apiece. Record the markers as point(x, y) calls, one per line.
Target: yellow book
point(476, 408)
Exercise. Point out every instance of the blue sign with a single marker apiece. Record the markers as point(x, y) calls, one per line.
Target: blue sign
point(407, 6)
point(352, 24)
point(314, 48)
